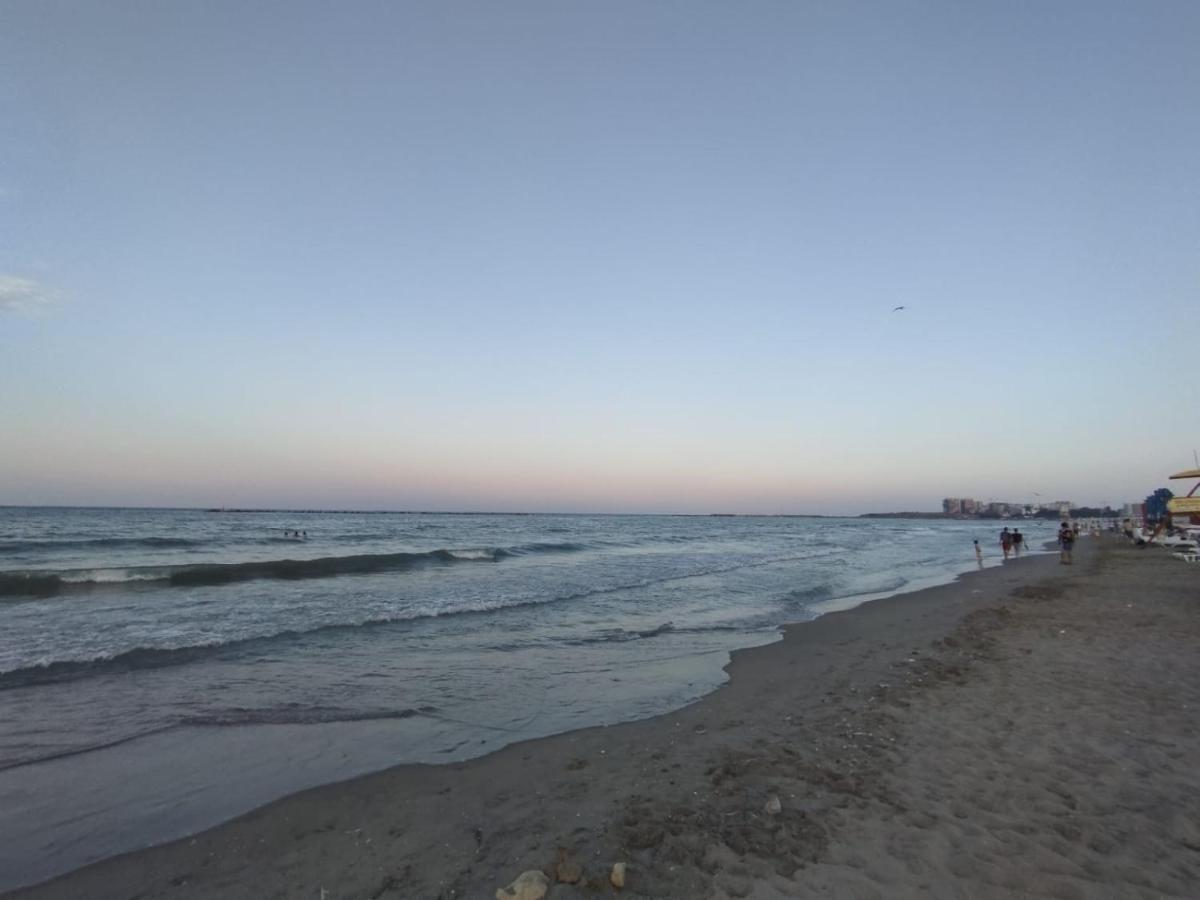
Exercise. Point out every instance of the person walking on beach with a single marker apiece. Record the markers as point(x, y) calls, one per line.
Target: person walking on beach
point(978, 554)
point(1005, 541)
point(1018, 540)
point(1066, 543)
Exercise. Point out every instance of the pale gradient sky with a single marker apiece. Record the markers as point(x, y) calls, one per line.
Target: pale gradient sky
point(618, 256)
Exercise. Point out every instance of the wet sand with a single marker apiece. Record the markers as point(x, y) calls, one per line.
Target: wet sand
point(1028, 731)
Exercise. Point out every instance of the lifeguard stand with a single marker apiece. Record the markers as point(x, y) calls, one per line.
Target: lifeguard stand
point(1189, 505)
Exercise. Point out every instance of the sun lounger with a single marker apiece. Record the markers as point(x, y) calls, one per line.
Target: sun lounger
point(1186, 550)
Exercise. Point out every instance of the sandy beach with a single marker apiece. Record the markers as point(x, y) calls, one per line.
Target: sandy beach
point(1028, 731)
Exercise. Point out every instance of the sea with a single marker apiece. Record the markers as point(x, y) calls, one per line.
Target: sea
point(162, 670)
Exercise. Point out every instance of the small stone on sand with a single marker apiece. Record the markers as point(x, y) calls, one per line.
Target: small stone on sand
point(531, 885)
point(618, 875)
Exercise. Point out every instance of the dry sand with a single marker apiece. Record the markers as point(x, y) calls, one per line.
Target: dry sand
point(1029, 731)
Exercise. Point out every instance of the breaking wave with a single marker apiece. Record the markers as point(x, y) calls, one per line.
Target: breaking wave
point(49, 583)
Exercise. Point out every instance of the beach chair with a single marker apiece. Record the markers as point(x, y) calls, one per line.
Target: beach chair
point(1186, 550)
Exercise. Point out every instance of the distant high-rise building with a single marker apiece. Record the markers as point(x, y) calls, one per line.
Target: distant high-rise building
point(952, 506)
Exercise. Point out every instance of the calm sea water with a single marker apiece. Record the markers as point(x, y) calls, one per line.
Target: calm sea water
point(128, 636)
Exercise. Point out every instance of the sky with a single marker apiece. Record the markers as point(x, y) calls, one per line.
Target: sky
point(613, 257)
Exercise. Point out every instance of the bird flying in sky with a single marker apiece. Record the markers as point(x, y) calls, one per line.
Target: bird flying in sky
point(897, 308)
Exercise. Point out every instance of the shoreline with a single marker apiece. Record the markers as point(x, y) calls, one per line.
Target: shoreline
point(818, 636)
point(67, 819)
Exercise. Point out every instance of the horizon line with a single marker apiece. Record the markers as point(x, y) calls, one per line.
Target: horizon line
point(442, 512)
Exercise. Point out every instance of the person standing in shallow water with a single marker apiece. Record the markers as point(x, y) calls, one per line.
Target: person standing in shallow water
point(1066, 544)
point(1005, 541)
point(978, 554)
point(1018, 541)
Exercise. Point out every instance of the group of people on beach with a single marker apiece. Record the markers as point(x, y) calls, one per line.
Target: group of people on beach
point(1011, 541)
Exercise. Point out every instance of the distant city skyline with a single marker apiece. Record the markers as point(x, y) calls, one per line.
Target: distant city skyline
point(622, 257)
point(983, 506)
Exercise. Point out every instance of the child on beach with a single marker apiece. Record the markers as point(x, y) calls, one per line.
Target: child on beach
point(978, 554)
